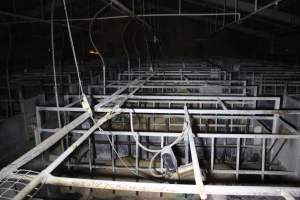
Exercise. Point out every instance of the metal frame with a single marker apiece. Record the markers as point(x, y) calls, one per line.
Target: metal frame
point(127, 97)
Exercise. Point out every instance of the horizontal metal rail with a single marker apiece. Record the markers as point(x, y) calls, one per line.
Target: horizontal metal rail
point(173, 188)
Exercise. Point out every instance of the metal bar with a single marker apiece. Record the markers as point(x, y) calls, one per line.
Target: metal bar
point(146, 170)
point(172, 188)
point(195, 161)
point(237, 165)
point(255, 172)
point(212, 154)
point(161, 159)
point(35, 20)
point(287, 195)
point(65, 109)
point(10, 106)
point(37, 131)
point(176, 97)
point(205, 111)
point(200, 135)
point(263, 158)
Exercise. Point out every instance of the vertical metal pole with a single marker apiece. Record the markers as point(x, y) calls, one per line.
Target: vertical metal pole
point(224, 10)
point(179, 7)
point(133, 7)
point(113, 160)
point(128, 66)
point(212, 154)
point(70, 84)
point(263, 159)
point(235, 10)
point(137, 156)
point(275, 126)
point(216, 120)
point(37, 132)
point(91, 77)
point(9, 94)
point(216, 19)
point(90, 155)
point(245, 90)
point(238, 148)
point(137, 161)
point(169, 118)
point(161, 159)
point(261, 85)
point(129, 145)
point(139, 67)
point(104, 79)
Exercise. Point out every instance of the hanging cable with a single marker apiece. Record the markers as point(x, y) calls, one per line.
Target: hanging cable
point(126, 50)
point(85, 103)
point(156, 151)
point(118, 155)
point(72, 47)
point(95, 47)
point(10, 105)
point(53, 63)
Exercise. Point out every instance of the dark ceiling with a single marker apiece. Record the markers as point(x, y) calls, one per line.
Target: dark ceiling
point(270, 32)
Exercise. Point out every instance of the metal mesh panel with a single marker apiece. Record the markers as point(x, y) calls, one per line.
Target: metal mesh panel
point(13, 183)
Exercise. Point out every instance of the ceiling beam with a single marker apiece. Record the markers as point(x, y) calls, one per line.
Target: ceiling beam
point(34, 19)
point(269, 13)
point(235, 27)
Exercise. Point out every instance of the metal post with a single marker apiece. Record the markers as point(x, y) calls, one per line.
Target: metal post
point(9, 94)
point(237, 166)
point(212, 154)
point(263, 160)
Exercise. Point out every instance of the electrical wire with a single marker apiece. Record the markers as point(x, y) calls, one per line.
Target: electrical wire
point(72, 47)
point(93, 119)
point(117, 154)
point(126, 50)
point(90, 32)
point(81, 90)
point(123, 40)
point(94, 45)
point(53, 63)
point(10, 106)
point(156, 151)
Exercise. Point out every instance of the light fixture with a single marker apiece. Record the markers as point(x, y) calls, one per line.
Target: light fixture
point(92, 51)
